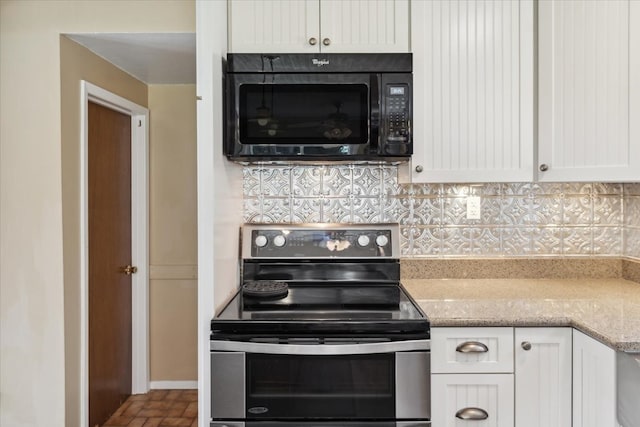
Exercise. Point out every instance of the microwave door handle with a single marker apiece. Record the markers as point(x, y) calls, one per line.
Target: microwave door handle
point(375, 106)
point(321, 349)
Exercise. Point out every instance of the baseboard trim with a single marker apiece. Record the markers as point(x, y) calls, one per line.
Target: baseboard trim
point(173, 385)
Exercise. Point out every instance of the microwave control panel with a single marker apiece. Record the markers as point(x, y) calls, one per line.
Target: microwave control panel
point(397, 114)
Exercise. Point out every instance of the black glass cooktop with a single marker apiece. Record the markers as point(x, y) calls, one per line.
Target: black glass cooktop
point(376, 309)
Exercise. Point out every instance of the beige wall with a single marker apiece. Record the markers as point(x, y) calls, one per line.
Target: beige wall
point(78, 63)
point(173, 233)
point(38, 251)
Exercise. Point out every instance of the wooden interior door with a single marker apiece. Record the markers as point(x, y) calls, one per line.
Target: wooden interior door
point(109, 251)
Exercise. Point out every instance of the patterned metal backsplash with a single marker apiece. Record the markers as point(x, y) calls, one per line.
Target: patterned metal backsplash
point(631, 206)
point(517, 219)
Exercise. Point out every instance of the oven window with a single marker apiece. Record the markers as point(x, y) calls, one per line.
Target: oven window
point(353, 386)
point(304, 114)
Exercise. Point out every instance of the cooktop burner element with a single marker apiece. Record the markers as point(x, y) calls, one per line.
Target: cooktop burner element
point(267, 289)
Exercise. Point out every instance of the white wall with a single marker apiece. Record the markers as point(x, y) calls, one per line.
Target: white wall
point(219, 190)
point(32, 353)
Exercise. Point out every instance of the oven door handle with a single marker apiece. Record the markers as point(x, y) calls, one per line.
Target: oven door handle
point(321, 349)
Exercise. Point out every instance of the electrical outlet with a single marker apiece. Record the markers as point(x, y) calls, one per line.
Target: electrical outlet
point(473, 207)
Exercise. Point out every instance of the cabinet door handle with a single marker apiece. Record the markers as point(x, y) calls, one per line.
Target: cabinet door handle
point(526, 345)
point(326, 41)
point(472, 414)
point(419, 168)
point(472, 347)
point(544, 167)
point(313, 41)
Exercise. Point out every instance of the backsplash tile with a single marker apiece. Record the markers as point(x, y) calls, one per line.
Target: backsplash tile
point(631, 206)
point(517, 219)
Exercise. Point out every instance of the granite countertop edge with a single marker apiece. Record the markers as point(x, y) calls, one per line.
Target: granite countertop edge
point(607, 310)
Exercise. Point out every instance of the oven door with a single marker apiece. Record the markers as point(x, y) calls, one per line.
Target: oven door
point(355, 382)
point(301, 115)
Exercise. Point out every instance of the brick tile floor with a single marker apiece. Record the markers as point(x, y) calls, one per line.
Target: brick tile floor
point(158, 408)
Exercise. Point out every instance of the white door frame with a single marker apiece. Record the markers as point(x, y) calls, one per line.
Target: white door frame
point(139, 239)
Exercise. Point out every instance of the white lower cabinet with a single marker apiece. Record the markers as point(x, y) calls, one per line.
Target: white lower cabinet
point(472, 380)
point(543, 377)
point(594, 383)
point(483, 400)
point(490, 377)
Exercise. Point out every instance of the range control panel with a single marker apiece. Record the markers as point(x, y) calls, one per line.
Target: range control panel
point(320, 241)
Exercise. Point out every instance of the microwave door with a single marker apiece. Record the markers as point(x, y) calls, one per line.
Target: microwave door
point(300, 115)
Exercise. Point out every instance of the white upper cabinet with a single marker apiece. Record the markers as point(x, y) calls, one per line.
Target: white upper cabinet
point(308, 26)
point(589, 90)
point(364, 26)
point(473, 90)
point(259, 26)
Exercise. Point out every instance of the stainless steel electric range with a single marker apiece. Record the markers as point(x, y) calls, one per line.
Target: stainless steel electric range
point(321, 333)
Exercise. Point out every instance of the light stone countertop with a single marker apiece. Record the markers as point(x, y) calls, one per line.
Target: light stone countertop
point(605, 309)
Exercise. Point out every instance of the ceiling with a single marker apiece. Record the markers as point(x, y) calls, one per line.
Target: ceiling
point(154, 58)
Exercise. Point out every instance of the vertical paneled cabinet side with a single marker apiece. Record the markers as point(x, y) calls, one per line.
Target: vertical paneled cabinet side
point(594, 383)
point(543, 377)
point(589, 90)
point(472, 377)
point(473, 91)
point(312, 26)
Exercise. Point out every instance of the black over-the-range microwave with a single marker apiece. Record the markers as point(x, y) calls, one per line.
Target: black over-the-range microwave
point(317, 107)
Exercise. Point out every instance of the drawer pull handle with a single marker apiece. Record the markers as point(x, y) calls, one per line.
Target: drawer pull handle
point(472, 414)
point(472, 347)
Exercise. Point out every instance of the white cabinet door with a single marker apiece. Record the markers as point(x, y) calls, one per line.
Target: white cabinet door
point(473, 396)
point(364, 26)
point(473, 90)
point(284, 26)
point(594, 383)
point(589, 90)
point(543, 377)
point(308, 26)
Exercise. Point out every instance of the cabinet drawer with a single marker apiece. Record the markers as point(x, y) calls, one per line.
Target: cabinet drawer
point(472, 399)
point(472, 350)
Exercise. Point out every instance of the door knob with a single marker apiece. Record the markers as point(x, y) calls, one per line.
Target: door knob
point(129, 270)
point(326, 41)
point(526, 345)
point(313, 41)
point(544, 167)
point(419, 168)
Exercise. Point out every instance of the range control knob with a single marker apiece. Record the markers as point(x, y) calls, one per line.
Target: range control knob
point(279, 240)
point(382, 240)
point(363, 240)
point(261, 241)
